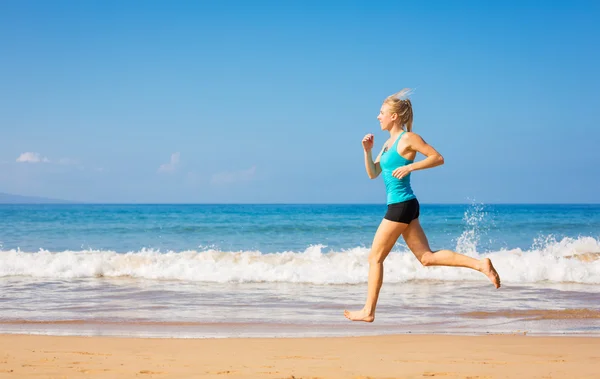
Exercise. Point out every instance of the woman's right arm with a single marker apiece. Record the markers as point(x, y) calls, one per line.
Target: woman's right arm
point(373, 168)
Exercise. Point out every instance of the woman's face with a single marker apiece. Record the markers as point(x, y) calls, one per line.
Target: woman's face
point(386, 117)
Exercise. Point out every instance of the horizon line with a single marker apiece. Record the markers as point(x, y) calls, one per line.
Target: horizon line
point(286, 203)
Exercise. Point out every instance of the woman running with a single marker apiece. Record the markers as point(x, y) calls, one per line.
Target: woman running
point(396, 162)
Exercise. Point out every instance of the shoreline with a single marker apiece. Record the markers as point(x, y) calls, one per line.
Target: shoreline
point(516, 333)
point(215, 336)
point(389, 356)
point(537, 322)
point(193, 330)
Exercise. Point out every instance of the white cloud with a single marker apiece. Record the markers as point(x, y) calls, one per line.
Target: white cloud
point(172, 165)
point(31, 158)
point(233, 176)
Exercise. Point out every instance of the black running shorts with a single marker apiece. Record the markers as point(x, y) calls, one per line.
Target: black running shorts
point(403, 212)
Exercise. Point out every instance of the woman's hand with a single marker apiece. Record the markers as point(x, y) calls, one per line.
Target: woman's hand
point(401, 172)
point(367, 142)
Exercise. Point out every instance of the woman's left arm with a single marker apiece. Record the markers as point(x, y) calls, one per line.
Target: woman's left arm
point(416, 143)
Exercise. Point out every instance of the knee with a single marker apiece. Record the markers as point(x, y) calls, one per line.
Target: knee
point(427, 259)
point(376, 257)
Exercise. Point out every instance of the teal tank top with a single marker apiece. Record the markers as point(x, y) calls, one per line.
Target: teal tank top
point(398, 190)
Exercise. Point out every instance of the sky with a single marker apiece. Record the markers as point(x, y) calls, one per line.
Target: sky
point(267, 102)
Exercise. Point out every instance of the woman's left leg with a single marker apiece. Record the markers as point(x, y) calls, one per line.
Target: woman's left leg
point(417, 242)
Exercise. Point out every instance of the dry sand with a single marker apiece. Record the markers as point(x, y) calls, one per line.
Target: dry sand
point(395, 356)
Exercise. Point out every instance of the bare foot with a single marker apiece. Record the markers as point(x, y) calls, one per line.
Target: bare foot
point(361, 315)
point(489, 270)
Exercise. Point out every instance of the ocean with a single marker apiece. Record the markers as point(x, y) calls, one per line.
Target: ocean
point(218, 271)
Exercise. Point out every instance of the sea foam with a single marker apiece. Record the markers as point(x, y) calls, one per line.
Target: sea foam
point(568, 260)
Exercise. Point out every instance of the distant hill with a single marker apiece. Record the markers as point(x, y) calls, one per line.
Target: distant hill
point(6, 198)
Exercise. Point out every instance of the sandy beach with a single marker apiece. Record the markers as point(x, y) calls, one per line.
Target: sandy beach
point(392, 356)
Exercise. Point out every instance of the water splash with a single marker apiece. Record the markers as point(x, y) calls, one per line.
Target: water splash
point(475, 218)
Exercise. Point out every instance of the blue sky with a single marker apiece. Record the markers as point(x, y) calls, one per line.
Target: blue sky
point(261, 102)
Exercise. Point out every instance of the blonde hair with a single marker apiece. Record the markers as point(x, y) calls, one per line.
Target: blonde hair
point(400, 104)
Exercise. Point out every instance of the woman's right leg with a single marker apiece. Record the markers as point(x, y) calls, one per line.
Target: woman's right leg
point(417, 242)
point(386, 236)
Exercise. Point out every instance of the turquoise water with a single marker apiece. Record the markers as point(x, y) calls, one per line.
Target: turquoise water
point(274, 270)
point(278, 228)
